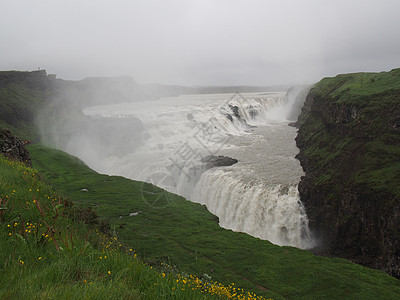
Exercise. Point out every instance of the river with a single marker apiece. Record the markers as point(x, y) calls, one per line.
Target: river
point(258, 195)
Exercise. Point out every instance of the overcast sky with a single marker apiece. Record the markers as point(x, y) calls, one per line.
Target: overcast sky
point(203, 42)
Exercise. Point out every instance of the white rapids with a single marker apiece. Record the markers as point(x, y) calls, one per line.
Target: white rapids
point(258, 195)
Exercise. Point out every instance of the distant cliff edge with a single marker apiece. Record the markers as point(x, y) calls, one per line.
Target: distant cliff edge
point(349, 140)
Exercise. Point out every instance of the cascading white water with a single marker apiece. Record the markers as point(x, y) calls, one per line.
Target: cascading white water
point(258, 195)
point(258, 209)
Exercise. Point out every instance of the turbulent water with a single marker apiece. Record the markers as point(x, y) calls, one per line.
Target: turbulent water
point(258, 195)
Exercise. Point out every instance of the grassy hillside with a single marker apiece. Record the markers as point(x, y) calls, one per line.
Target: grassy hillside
point(366, 107)
point(168, 230)
point(51, 249)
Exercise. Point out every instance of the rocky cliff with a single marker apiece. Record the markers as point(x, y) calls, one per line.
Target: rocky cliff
point(12, 147)
point(349, 140)
point(22, 95)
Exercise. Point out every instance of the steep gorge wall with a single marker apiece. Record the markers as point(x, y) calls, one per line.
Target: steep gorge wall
point(349, 140)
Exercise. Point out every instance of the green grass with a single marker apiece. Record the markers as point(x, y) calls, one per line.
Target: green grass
point(170, 230)
point(358, 88)
point(367, 143)
point(48, 251)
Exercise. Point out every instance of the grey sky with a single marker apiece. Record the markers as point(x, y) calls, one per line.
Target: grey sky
point(203, 42)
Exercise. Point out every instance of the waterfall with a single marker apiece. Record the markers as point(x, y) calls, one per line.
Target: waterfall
point(258, 195)
point(268, 212)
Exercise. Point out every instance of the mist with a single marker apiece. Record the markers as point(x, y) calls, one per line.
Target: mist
point(201, 42)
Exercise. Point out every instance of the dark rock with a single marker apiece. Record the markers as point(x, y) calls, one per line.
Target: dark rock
point(230, 118)
point(235, 111)
point(12, 147)
point(212, 161)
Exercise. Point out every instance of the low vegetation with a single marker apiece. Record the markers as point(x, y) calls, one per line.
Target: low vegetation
point(51, 249)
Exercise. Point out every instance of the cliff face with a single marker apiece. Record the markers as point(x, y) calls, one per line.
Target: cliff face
point(22, 95)
point(349, 140)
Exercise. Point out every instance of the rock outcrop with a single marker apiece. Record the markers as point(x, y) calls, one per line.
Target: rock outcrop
point(212, 161)
point(12, 147)
point(349, 140)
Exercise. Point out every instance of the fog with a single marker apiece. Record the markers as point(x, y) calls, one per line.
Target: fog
point(186, 42)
